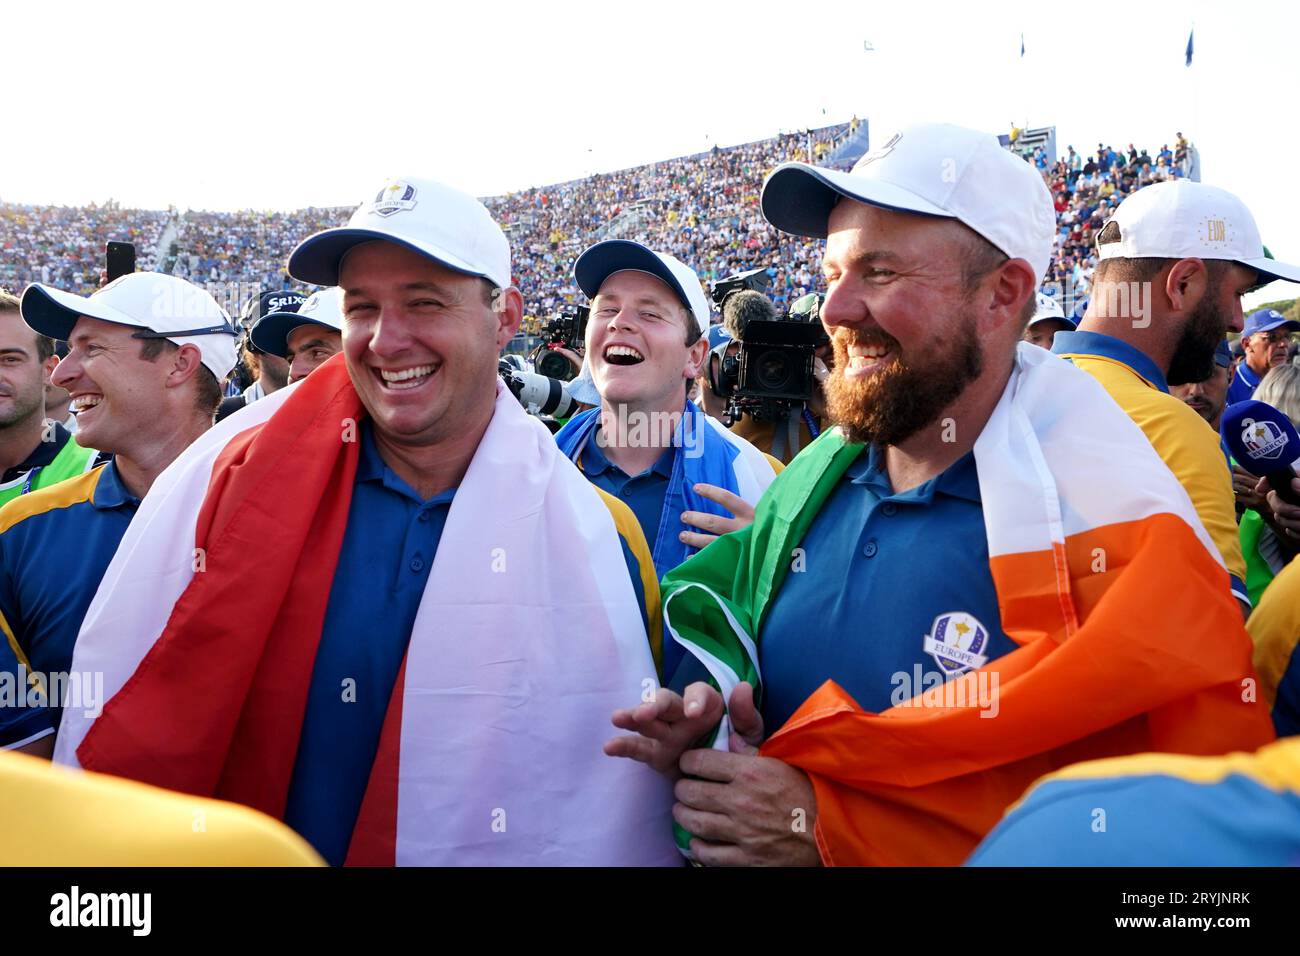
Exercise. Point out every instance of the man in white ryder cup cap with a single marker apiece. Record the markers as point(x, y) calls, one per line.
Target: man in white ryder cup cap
point(146, 356)
point(450, 608)
point(920, 569)
point(1174, 261)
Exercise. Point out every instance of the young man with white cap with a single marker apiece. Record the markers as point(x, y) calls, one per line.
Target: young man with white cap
point(676, 468)
point(1175, 260)
point(1049, 318)
point(304, 338)
point(976, 557)
point(1266, 344)
point(428, 647)
point(146, 355)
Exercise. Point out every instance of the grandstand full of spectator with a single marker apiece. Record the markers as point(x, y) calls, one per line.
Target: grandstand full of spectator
point(701, 209)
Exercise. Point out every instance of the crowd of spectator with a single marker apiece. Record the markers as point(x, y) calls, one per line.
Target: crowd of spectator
point(63, 246)
point(701, 208)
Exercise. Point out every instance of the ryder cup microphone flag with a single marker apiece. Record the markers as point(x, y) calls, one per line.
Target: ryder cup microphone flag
point(206, 630)
point(1128, 638)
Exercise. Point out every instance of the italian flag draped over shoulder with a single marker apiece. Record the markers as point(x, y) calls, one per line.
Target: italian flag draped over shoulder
point(1129, 639)
point(528, 636)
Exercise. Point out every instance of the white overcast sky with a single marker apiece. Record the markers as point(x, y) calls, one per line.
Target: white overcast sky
point(278, 105)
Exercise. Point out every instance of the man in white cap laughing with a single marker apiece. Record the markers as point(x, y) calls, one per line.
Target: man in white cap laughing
point(426, 650)
point(146, 355)
point(920, 588)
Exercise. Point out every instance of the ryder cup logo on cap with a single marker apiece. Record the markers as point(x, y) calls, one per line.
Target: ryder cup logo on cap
point(1263, 438)
point(395, 198)
point(171, 308)
point(934, 169)
point(443, 224)
point(1188, 220)
point(955, 642)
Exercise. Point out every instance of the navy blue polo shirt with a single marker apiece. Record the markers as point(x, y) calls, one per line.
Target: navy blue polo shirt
point(1243, 384)
point(55, 545)
point(882, 572)
point(643, 493)
point(388, 548)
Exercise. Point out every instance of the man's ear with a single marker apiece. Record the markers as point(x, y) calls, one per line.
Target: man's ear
point(695, 357)
point(1186, 284)
point(186, 362)
point(47, 368)
point(509, 310)
point(1013, 284)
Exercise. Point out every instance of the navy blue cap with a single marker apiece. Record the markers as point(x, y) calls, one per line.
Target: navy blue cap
point(1223, 355)
point(1266, 320)
point(279, 300)
point(602, 260)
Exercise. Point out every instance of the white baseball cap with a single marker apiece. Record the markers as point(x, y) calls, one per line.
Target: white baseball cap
point(271, 332)
point(451, 228)
point(177, 310)
point(597, 263)
point(1188, 220)
point(1049, 308)
point(934, 169)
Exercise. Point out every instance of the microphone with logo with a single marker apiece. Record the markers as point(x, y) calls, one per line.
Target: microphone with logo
point(1265, 443)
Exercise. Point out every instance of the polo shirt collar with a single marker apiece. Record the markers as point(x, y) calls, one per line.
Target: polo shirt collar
point(958, 480)
point(1109, 347)
point(596, 462)
point(109, 491)
point(372, 467)
point(44, 453)
point(1248, 375)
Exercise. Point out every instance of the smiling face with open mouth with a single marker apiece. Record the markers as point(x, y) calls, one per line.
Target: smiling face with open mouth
point(636, 343)
point(116, 392)
point(421, 342)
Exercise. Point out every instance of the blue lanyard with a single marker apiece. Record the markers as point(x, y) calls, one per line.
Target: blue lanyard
point(28, 479)
point(811, 423)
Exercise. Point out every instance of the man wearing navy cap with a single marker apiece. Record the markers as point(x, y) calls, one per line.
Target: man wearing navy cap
point(305, 337)
point(146, 355)
point(1208, 397)
point(270, 371)
point(646, 444)
point(1266, 341)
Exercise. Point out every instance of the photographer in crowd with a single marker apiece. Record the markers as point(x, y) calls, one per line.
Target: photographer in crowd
point(678, 469)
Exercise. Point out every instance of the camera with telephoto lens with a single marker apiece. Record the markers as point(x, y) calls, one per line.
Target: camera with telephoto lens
point(541, 395)
point(566, 329)
point(772, 373)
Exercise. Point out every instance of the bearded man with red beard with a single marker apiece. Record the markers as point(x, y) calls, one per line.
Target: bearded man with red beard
point(948, 594)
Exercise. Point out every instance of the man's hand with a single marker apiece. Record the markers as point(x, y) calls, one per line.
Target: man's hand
point(715, 524)
point(1286, 516)
point(746, 810)
point(1244, 487)
point(666, 727)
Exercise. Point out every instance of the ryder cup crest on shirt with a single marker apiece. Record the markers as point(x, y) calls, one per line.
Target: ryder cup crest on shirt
point(955, 642)
point(1263, 438)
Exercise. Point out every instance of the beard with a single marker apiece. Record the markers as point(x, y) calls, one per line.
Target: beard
point(1193, 358)
point(893, 404)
